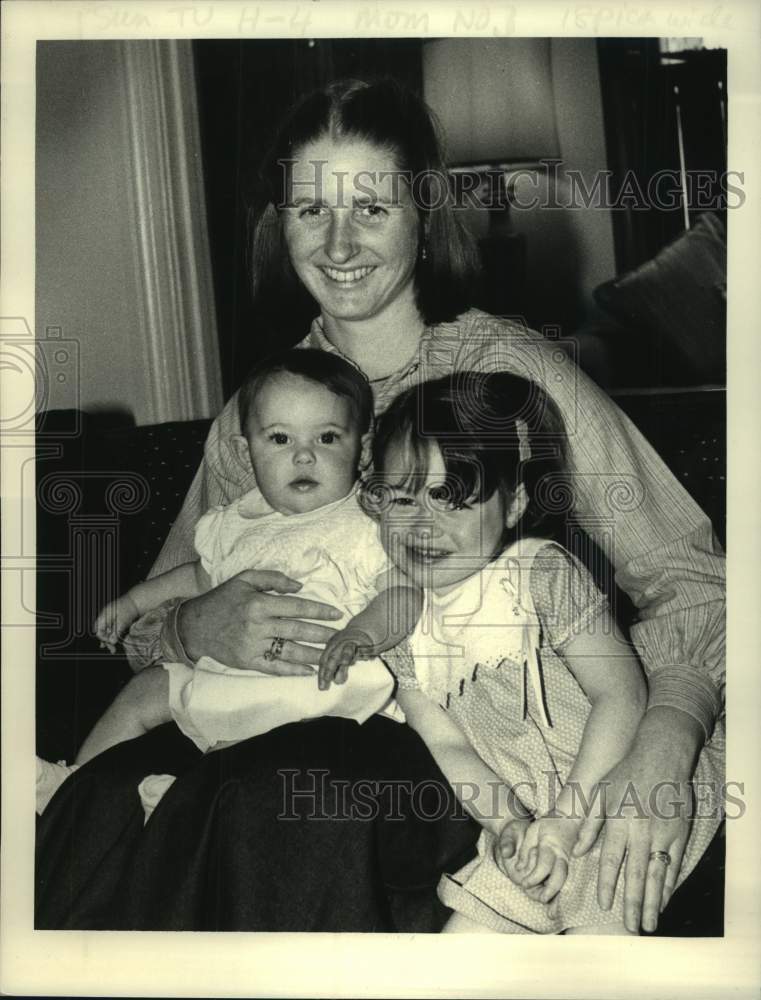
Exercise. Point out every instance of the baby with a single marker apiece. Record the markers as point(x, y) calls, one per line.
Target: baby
point(306, 419)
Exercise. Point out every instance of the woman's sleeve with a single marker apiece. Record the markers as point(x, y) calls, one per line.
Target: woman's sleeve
point(661, 545)
point(219, 480)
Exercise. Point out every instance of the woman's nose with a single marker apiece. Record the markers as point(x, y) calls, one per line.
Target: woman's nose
point(340, 242)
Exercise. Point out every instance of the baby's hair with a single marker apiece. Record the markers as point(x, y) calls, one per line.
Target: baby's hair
point(322, 367)
point(494, 430)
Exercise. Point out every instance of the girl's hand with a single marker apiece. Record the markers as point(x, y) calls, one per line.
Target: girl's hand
point(114, 621)
point(507, 848)
point(544, 856)
point(341, 651)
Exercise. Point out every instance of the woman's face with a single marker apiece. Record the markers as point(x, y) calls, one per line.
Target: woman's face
point(351, 228)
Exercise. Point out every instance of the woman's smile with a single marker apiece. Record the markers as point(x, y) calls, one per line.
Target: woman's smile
point(347, 278)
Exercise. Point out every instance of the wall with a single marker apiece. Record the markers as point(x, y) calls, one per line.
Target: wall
point(121, 242)
point(569, 251)
point(578, 110)
point(86, 281)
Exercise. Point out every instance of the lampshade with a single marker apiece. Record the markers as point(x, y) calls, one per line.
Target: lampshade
point(493, 97)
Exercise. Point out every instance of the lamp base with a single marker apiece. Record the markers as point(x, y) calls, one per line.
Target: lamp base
point(503, 273)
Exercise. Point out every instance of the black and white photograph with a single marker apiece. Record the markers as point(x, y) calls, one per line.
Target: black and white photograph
point(371, 450)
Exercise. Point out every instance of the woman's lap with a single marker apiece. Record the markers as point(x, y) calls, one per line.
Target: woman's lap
point(305, 828)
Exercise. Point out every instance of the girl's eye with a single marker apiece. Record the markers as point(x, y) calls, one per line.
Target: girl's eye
point(328, 437)
point(441, 498)
point(402, 501)
point(279, 438)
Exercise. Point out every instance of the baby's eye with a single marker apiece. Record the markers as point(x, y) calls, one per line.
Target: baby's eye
point(328, 437)
point(278, 437)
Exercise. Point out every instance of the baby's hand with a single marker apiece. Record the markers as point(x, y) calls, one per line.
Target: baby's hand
point(114, 620)
point(544, 855)
point(341, 650)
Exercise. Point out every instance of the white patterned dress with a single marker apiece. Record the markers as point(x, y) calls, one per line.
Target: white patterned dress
point(489, 651)
point(335, 553)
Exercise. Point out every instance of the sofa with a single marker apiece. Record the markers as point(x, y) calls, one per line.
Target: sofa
point(107, 493)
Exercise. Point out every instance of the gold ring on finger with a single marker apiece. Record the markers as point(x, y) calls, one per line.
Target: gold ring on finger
point(276, 648)
point(663, 857)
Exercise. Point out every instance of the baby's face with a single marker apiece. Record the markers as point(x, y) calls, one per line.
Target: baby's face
point(303, 445)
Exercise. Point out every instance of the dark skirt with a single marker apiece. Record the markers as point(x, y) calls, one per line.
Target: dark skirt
point(316, 826)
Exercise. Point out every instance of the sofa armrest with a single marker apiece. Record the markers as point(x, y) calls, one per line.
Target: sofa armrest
point(687, 427)
point(106, 497)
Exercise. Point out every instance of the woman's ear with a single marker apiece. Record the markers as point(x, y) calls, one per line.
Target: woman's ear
point(239, 446)
point(365, 452)
point(517, 506)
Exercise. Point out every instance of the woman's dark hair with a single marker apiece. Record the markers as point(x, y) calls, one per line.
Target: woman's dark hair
point(322, 367)
point(495, 431)
point(395, 119)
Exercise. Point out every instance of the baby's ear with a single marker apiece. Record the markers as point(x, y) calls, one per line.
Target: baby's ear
point(517, 506)
point(239, 446)
point(365, 454)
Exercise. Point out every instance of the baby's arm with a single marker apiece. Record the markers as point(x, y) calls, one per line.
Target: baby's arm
point(390, 617)
point(188, 580)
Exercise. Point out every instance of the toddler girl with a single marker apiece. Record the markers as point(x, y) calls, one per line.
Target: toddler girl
point(306, 418)
point(519, 682)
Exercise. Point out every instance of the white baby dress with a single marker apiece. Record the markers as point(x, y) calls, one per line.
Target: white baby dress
point(336, 554)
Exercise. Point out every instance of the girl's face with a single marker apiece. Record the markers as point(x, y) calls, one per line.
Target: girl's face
point(436, 544)
point(351, 228)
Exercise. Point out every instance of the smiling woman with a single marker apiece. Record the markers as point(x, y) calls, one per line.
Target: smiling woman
point(357, 258)
point(358, 216)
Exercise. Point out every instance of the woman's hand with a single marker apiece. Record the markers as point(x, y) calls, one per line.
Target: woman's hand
point(341, 651)
point(645, 803)
point(237, 622)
